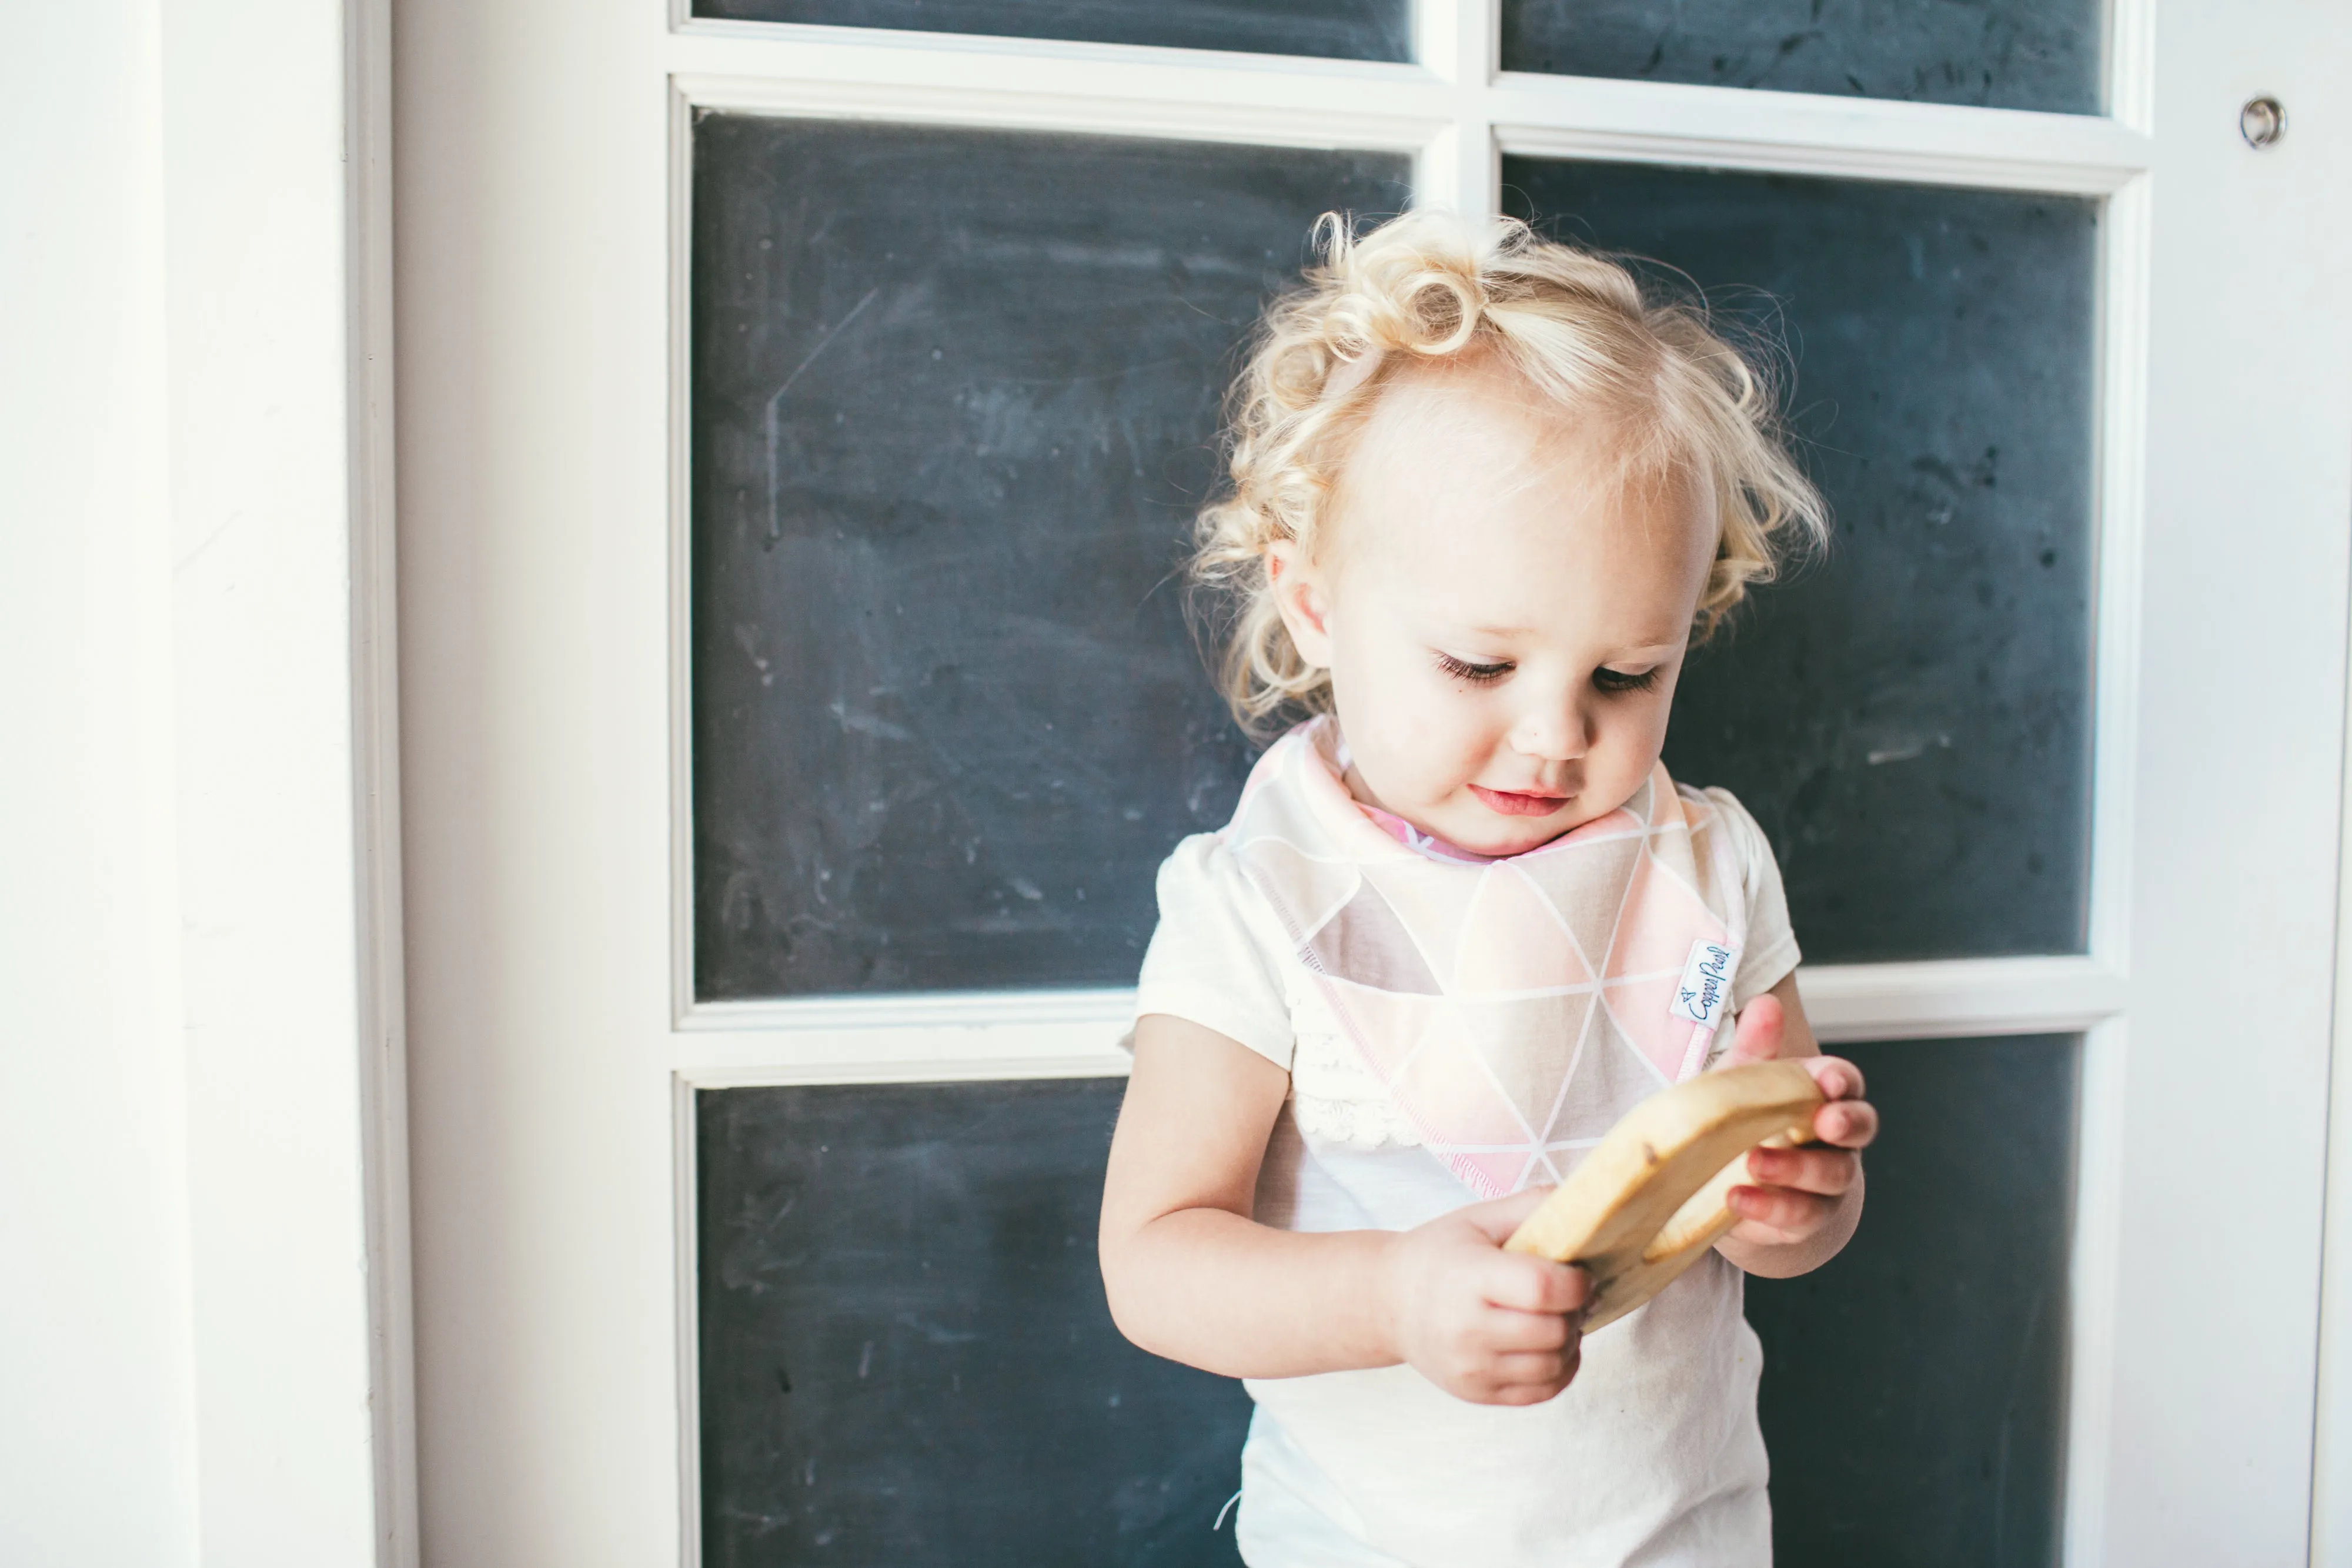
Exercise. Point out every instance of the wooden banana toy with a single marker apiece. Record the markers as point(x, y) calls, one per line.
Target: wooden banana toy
point(1648, 1201)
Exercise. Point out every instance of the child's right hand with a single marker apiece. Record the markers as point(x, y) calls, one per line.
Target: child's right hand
point(1485, 1325)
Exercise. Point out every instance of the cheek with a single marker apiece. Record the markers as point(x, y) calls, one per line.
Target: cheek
point(1637, 733)
point(1416, 732)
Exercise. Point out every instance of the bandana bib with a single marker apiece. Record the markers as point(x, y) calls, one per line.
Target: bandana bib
point(1513, 1008)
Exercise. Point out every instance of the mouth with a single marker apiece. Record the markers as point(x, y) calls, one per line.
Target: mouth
point(1517, 803)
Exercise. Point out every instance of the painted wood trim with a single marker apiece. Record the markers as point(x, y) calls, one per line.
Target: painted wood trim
point(2121, 508)
point(1963, 997)
point(2131, 64)
point(1085, 105)
point(679, 676)
point(276, 199)
point(1850, 1001)
point(2331, 1459)
point(687, 1281)
point(2094, 1294)
point(908, 1038)
point(1814, 150)
point(375, 765)
point(1128, 90)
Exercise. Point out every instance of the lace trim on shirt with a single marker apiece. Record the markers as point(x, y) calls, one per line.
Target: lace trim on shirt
point(1336, 1100)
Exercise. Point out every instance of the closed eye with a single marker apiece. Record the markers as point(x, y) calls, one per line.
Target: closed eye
point(1464, 670)
point(1614, 682)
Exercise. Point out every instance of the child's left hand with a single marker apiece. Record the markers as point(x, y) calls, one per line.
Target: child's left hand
point(1805, 1201)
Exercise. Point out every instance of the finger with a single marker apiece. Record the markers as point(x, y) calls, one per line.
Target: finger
point(1498, 1217)
point(1530, 1367)
point(1838, 1078)
point(1535, 1284)
point(1826, 1171)
point(1535, 1391)
point(1795, 1214)
point(1547, 1381)
point(1507, 1332)
point(1757, 1038)
point(1522, 1394)
point(1848, 1123)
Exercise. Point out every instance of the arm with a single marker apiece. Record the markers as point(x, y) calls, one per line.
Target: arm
point(1190, 1276)
point(1806, 1201)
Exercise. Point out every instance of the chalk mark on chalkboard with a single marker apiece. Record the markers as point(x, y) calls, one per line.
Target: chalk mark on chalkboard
point(773, 424)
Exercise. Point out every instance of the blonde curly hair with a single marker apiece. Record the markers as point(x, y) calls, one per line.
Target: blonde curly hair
point(1426, 288)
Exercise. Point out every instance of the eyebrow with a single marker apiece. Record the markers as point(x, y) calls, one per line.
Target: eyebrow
point(1663, 645)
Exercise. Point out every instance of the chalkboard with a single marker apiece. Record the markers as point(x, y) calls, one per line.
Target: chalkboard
point(954, 406)
point(1914, 1397)
point(1341, 29)
point(906, 1357)
point(2008, 54)
point(1910, 720)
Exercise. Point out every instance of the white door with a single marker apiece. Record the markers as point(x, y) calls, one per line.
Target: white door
point(2101, 901)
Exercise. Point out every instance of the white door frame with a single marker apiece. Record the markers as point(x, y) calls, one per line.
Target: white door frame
point(1457, 124)
point(2148, 1337)
point(274, 129)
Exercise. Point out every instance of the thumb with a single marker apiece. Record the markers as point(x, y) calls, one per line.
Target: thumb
point(1498, 1217)
point(1758, 1037)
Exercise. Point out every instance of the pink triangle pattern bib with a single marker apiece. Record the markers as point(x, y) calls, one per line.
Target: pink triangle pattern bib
point(1512, 1007)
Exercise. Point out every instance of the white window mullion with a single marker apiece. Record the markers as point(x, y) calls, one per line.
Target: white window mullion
point(2123, 392)
point(1861, 139)
point(1456, 42)
point(1942, 998)
point(1134, 90)
point(947, 1036)
point(2094, 1283)
point(2131, 63)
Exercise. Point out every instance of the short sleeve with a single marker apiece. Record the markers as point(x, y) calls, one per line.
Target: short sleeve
point(1769, 954)
point(1217, 956)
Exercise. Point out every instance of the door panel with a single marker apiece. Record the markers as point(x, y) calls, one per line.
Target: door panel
point(557, 638)
point(955, 404)
point(1350, 29)
point(1909, 715)
point(1915, 1388)
point(906, 1356)
point(2009, 54)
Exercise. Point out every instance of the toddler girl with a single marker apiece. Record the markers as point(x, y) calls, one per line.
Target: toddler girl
point(1483, 498)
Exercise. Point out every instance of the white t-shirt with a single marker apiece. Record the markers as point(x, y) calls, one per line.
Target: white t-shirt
point(1651, 1457)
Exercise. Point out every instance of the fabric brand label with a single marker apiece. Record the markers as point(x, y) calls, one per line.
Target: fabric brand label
point(1705, 993)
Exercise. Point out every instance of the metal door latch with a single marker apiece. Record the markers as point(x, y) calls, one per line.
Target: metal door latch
point(2262, 121)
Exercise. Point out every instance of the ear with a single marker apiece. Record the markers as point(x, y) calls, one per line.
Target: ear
point(1300, 595)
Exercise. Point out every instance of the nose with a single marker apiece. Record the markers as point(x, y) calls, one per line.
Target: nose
point(1555, 730)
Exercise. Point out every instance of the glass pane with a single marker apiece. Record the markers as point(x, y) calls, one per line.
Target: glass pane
point(955, 403)
point(1913, 1396)
point(2008, 54)
point(1341, 29)
point(906, 1357)
point(1910, 717)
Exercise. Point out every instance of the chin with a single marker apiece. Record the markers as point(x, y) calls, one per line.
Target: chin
point(1514, 836)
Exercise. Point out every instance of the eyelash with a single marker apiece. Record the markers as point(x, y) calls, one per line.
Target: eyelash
point(1612, 682)
point(1616, 681)
point(1464, 670)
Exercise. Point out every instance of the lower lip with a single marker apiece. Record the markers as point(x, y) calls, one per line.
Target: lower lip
point(1510, 803)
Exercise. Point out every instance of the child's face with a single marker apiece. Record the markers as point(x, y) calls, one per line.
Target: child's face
point(1503, 623)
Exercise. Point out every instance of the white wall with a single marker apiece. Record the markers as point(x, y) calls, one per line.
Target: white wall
point(202, 1268)
point(96, 1415)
